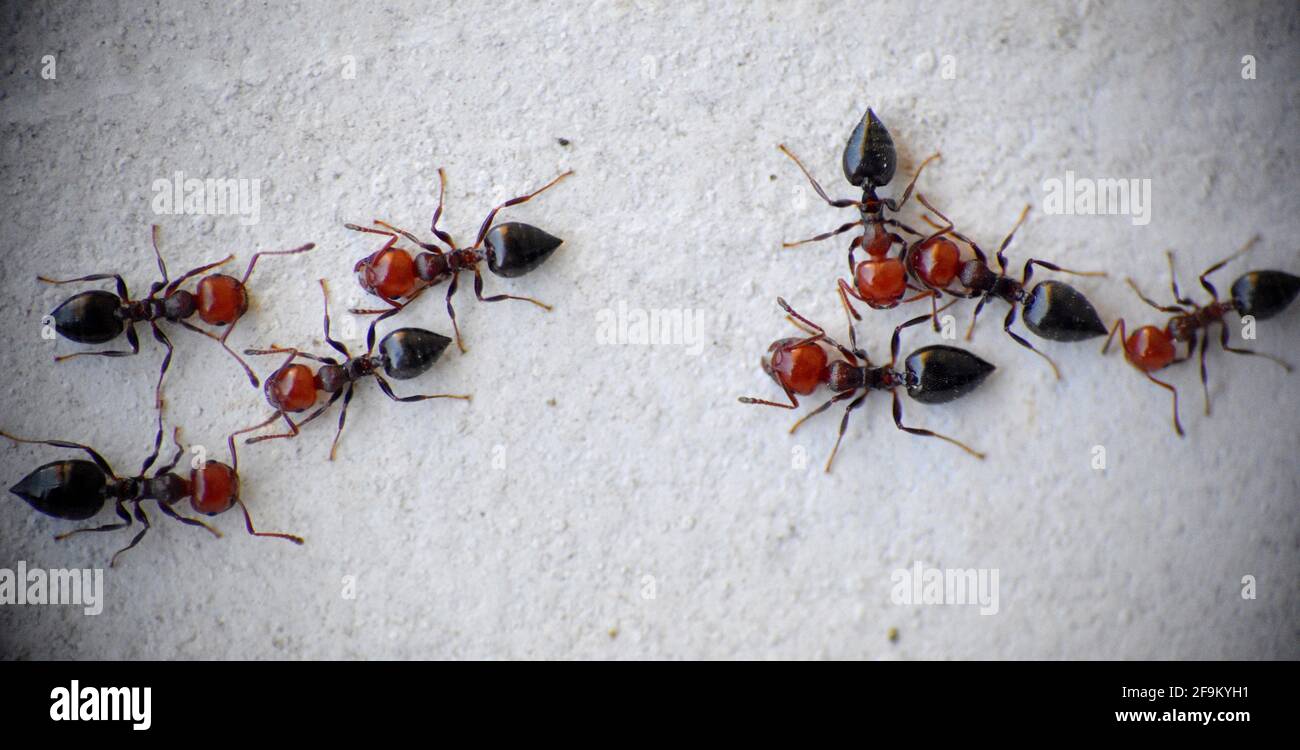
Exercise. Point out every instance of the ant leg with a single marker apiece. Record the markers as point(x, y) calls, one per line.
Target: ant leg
point(826, 405)
point(845, 291)
point(970, 331)
point(343, 417)
point(121, 285)
point(837, 203)
point(338, 347)
point(825, 235)
point(167, 511)
point(388, 391)
point(253, 262)
point(1244, 249)
point(155, 233)
point(1123, 336)
point(908, 192)
point(99, 460)
point(897, 339)
point(844, 423)
point(1205, 378)
point(1162, 308)
point(161, 337)
point(176, 457)
point(119, 508)
point(898, 422)
point(1178, 427)
point(248, 522)
point(437, 212)
point(451, 311)
point(1173, 281)
point(132, 340)
point(487, 223)
point(1029, 270)
point(1223, 341)
point(478, 292)
point(1006, 326)
point(157, 448)
point(142, 518)
point(252, 377)
point(195, 272)
point(1002, 249)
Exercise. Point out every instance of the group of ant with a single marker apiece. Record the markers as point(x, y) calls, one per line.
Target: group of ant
point(77, 489)
point(926, 265)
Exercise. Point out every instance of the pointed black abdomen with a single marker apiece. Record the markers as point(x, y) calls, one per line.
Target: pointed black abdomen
point(1059, 312)
point(514, 249)
point(939, 373)
point(869, 154)
point(64, 489)
point(1264, 293)
point(409, 352)
point(89, 317)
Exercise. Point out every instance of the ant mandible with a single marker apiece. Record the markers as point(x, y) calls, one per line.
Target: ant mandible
point(76, 489)
point(1262, 294)
point(1051, 309)
point(511, 249)
point(99, 316)
point(404, 353)
point(932, 374)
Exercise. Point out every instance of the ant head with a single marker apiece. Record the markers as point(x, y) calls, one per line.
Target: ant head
point(800, 368)
point(221, 299)
point(869, 156)
point(179, 305)
point(409, 352)
point(514, 249)
point(388, 273)
point(214, 488)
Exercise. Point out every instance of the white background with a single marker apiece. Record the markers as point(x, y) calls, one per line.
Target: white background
point(644, 476)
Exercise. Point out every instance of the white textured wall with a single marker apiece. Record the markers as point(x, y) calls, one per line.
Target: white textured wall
point(622, 462)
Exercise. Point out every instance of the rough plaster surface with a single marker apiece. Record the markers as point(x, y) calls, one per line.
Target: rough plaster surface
point(620, 462)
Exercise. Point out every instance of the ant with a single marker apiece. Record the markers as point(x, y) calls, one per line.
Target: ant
point(1262, 294)
point(99, 316)
point(511, 249)
point(1051, 309)
point(932, 375)
point(76, 489)
point(403, 354)
point(869, 162)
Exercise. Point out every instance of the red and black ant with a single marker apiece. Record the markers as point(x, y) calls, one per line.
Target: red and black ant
point(511, 249)
point(1261, 294)
point(1051, 309)
point(933, 375)
point(75, 489)
point(404, 353)
point(99, 316)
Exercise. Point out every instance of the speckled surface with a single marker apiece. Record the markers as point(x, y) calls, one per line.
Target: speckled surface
point(614, 501)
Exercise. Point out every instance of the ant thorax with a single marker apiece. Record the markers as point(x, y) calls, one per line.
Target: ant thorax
point(176, 306)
